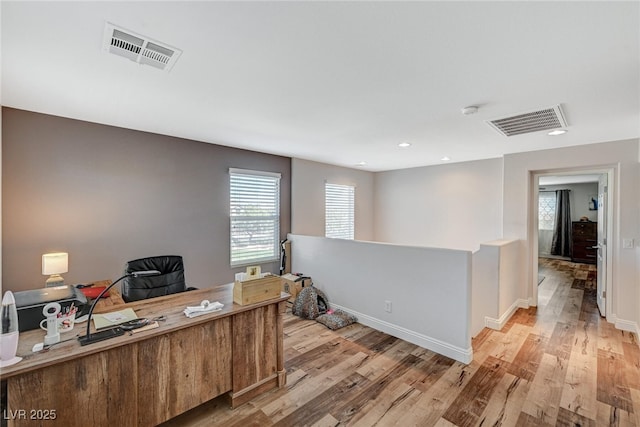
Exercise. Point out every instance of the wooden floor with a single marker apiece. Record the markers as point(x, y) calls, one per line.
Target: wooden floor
point(559, 364)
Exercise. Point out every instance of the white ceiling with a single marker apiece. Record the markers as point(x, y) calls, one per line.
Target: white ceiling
point(335, 82)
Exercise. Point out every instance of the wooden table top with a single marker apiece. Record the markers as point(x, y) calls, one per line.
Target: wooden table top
point(171, 306)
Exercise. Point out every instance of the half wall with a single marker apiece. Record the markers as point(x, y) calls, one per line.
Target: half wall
point(428, 290)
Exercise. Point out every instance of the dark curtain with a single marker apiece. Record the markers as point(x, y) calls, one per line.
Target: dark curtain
point(561, 243)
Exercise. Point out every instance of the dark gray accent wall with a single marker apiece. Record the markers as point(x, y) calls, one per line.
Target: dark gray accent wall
point(107, 195)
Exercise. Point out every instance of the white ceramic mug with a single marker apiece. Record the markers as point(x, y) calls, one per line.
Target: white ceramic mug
point(64, 323)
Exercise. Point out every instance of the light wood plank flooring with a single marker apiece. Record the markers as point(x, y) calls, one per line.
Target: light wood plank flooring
point(559, 364)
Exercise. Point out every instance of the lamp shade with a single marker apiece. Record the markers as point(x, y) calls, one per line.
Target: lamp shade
point(55, 263)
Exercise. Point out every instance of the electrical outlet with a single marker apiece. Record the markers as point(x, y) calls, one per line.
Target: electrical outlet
point(387, 306)
point(627, 243)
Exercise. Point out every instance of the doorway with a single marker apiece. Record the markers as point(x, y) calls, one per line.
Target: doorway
point(591, 216)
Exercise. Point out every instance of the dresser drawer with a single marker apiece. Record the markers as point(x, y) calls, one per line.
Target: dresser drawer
point(586, 229)
point(584, 253)
point(584, 237)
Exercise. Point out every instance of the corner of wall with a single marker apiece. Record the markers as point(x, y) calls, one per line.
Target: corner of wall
point(307, 197)
point(498, 324)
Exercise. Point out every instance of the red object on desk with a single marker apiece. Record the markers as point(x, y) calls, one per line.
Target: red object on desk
point(94, 291)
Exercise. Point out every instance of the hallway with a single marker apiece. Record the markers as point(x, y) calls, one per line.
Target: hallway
point(594, 369)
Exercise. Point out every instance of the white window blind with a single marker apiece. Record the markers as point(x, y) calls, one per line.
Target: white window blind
point(255, 216)
point(339, 211)
point(546, 210)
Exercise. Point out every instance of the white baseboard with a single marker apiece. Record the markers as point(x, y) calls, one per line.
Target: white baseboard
point(629, 326)
point(461, 355)
point(498, 324)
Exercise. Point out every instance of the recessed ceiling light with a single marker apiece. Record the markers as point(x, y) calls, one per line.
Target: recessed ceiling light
point(557, 132)
point(471, 109)
point(404, 145)
point(361, 163)
point(445, 159)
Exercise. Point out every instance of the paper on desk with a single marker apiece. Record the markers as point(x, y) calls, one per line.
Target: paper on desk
point(203, 308)
point(114, 318)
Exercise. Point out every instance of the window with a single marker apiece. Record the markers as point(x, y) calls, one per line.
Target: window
point(546, 210)
point(255, 216)
point(339, 208)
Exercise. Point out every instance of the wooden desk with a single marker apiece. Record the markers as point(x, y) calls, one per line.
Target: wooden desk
point(149, 377)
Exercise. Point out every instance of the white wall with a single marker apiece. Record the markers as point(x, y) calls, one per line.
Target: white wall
point(495, 284)
point(579, 197)
point(429, 289)
point(509, 277)
point(484, 287)
point(307, 197)
point(518, 221)
point(457, 205)
point(460, 206)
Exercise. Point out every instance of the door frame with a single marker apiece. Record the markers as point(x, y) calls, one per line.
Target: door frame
point(603, 197)
point(534, 179)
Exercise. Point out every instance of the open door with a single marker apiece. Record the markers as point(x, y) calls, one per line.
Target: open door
point(601, 259)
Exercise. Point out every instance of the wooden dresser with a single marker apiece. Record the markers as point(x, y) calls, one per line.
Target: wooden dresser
point(584, 237)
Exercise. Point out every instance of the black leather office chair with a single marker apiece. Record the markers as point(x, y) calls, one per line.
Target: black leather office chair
point(170, 281)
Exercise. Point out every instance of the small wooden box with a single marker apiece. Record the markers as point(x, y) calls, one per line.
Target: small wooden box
point(256, 290)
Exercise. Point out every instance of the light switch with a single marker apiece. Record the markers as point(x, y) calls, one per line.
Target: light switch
point(627, 243)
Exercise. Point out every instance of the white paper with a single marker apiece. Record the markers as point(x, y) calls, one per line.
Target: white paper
point(114, 317)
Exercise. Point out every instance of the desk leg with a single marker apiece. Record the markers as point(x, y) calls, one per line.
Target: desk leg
point(282, 373)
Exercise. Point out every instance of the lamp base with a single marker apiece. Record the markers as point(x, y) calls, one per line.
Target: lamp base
point(9, 362)
point(101, 336)
point(54, 280)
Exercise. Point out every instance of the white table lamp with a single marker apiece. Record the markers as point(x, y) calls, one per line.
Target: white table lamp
point(53, 265)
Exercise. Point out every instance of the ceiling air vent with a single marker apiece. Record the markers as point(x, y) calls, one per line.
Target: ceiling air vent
point(140, 49)
point(534, 121)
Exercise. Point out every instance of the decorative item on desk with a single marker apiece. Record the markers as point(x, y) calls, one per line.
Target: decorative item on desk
point(51, 311)
point(10, 334)
point(94, 291)
point(256, 290)
point(253, 272)
point(52, 265)
point(89, 338)
point(205, 307)
point(65, 319)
